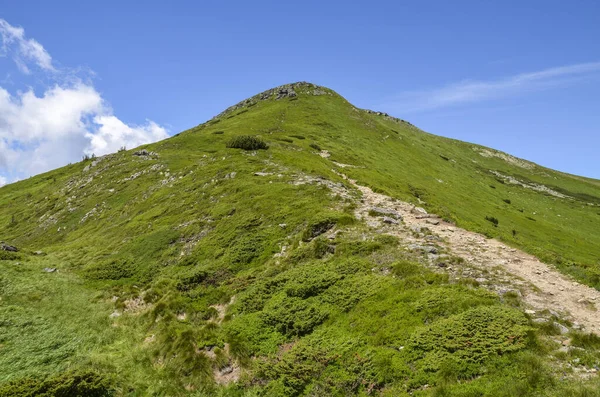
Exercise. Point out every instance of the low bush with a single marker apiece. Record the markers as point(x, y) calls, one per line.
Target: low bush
point(247, 142)
point(71, 384)
point(493, 220)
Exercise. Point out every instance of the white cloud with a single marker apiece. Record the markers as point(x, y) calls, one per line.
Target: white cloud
point(114, 134)
point(469, 91)
point(23, 50)
point(39, 133)
point(69, 119)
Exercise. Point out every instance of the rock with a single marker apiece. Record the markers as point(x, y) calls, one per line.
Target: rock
point(539, 320)
point(142, 152)
point(418, 211)
point(530, 312)
point(481, 280)
point(7, 247)
point(563, 330)
point(378, 211)
point(231, 175)
point(38, 253)
point(49, 269)
point(263, 173)
point(566, 342)
point(391, 221)
point(564, 349)
point(227, 370)
point(442, 264)
point(283, 225)
point(583, 301)
point(433, 221)
point(115, 314)
point(426, 248)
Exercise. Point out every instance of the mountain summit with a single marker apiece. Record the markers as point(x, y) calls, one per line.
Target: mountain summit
point(296, 245)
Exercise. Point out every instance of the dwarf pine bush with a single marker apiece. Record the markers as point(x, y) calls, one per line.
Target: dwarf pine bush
point(247, 142)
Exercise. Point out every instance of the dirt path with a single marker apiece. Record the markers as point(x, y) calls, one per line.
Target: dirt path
point(542, 287)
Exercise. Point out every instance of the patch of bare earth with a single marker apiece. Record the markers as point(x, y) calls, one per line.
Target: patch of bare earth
point(492, 263)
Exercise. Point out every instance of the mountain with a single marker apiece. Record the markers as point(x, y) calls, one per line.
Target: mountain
point(297, 245)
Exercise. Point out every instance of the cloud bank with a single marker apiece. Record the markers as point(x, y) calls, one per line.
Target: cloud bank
point(470, 91)
point(69, 119)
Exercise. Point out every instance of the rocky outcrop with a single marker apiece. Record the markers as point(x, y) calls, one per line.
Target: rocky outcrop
point(388, 117)
point(278, 93)
point(6, 247)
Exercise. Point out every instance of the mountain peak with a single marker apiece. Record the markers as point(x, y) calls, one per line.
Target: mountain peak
point(291, 90)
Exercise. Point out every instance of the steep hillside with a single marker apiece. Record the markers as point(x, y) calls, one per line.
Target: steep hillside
point(190, 267)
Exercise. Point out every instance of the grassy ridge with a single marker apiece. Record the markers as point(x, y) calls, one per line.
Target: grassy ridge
point(149, 245)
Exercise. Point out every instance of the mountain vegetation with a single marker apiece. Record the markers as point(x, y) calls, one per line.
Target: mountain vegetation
point(229, 260)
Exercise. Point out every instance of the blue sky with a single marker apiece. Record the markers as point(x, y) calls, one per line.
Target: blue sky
point(80, 77)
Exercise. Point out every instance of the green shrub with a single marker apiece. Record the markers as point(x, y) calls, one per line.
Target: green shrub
point(9, 256)
point(293, 316)
point(70, 384)
point(493, 220)
point(247, 142)
point(114, 269)
point(219, 132)
point(315, 146)
point(318, 228)
point(191, 280)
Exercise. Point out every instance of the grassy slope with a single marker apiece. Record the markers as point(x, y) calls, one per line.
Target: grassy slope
point(184, 235)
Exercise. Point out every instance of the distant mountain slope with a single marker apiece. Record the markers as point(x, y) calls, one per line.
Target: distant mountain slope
point(190, 266)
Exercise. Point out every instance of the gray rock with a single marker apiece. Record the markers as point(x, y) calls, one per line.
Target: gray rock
point(419, 211)
point(539, 320)
point(388, 220)
point(481, 280)
point(7, 247)
point(433, 221)
point(50, 269)
point(425, 248)
point(563, 330)
point(142, 152)
point(378, 211)
point(38, 253)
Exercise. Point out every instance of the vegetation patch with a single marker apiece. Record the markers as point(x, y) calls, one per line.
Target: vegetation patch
point(247, 142)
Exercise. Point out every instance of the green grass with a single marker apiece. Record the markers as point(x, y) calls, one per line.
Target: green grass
point(160, 241)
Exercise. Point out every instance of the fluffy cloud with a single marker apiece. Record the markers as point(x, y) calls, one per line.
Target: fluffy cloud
point(61, 124)
point(23, 49)
point(114, 134)
point(38, 133)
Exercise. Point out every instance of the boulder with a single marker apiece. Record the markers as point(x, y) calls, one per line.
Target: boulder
point(419, 211)
point(390, 221)
point(7, 247)
point(50, 269)
point(563, 330)
point(378, 211)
